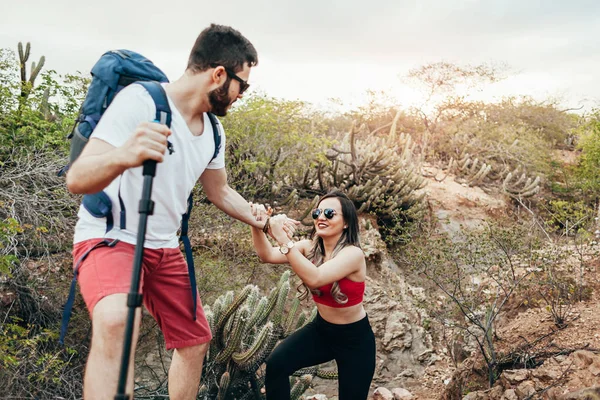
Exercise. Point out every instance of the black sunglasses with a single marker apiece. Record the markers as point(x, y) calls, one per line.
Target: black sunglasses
point(328, 213)
point(244, 85)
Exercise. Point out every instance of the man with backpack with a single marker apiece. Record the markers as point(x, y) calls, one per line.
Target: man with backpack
point(111, 164)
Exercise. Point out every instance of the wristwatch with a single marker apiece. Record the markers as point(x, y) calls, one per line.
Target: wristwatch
point(285, 248)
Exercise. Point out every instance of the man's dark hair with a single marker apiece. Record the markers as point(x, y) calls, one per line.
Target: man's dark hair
point(221, 45)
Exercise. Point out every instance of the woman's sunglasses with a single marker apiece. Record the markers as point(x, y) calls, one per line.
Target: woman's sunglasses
point(328, 213)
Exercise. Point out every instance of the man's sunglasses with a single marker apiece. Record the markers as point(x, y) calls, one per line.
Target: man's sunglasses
point(328, 213)
point(244, 85)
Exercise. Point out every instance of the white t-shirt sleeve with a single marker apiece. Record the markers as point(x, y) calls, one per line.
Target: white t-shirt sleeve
point(219, 161)
point(129, 108)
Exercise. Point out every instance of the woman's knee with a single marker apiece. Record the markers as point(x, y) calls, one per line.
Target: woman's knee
point(276, 364)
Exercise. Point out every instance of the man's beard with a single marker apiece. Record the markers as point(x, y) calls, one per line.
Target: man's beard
point(219, 99)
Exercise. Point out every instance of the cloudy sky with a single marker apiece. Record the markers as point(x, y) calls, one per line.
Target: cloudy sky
point(319, 49)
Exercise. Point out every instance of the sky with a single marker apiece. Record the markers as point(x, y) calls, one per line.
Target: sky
point(315, 50)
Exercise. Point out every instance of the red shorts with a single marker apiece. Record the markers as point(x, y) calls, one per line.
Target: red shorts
point(165, 286)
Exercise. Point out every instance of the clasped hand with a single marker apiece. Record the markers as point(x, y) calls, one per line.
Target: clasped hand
point(281, 228)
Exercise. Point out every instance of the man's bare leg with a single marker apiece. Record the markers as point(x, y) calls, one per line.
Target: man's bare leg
point(104, 361)
point(185, 372)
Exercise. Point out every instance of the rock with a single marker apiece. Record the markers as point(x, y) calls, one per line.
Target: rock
point(316, 397)
point(586, 359)
point(401, 394)
point(512, 377)
point(480, 395)
point(510, 394)
point(397, 332)
point(428, 357)
point(472, 396)
point(382, 393)
point(584, 394)
point(583, 358)
point(547, 374)
point(425, 355)
point(496, 392)
point(407, 373)
point(525, 389)
point(595, 368)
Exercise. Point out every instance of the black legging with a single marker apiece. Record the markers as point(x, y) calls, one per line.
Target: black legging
point(352, 346)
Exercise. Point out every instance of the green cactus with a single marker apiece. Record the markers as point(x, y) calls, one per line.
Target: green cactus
point(300, 386)
point(35, 69)
point(378, 173)
point(317, 371)
point(28, 83)
point(246, 360)
point(307, 212)
point(522, 187)
point(260, 312)
point(223, 386)
point(291, 316)
point(327, 374)
point(232, 307)
point(280, 305)
point(246, 328)
point(470, 171)
point(235, 335)
point(203, 391)
point(474, 172)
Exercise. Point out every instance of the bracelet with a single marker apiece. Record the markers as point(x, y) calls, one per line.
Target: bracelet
point(265, 228)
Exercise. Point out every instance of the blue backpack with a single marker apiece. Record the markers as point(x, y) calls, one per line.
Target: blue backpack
point(111, 73)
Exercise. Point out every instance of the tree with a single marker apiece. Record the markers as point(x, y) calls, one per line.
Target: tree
point(478, 272)
point(441, 83)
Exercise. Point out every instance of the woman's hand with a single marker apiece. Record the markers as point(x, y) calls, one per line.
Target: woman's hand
point(282, 228)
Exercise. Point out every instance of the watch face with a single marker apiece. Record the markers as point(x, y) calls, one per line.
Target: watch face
point(284, 249)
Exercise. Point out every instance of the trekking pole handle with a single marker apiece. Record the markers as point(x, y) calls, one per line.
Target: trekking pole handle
point(149, 168)
point(150, 165)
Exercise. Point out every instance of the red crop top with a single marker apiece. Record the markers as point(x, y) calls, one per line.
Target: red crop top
point(354, 291)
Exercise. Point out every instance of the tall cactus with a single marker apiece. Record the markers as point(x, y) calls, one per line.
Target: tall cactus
point(379, 174)
point(246, 328)
point(27, 83)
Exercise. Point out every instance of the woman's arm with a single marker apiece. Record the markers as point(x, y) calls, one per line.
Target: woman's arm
point(270, 254)
point(349, 260)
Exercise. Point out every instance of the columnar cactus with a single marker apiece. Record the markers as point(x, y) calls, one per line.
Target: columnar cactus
point(470, 171)
point(523, 186)
point(246, 327)
point(473, 172)
point(378, 173)
point(27, 84)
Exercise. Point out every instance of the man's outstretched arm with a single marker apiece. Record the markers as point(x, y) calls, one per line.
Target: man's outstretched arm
point(214, 182)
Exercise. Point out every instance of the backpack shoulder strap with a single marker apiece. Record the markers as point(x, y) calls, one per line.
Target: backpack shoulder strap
point(159, 96)
point(163, 115)
point(214, 122)
point(183, 237)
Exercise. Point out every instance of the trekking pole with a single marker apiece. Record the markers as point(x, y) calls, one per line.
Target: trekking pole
point(134, 298)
